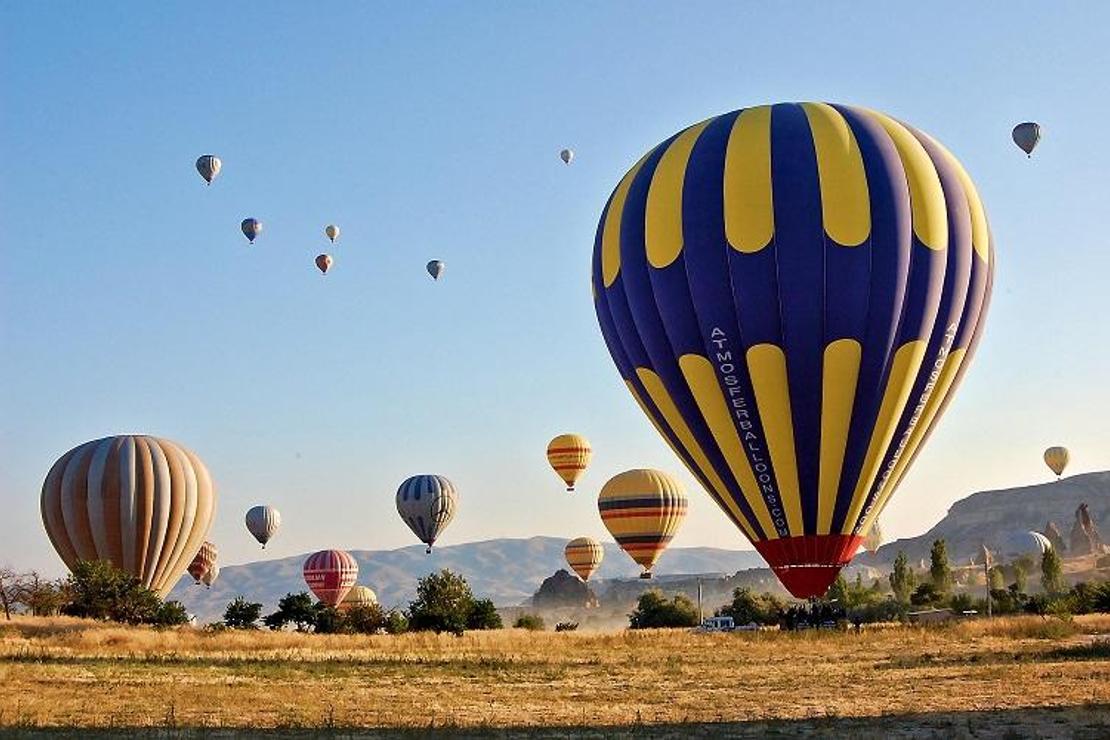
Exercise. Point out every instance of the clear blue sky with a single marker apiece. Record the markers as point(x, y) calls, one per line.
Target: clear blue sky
point(129, 301)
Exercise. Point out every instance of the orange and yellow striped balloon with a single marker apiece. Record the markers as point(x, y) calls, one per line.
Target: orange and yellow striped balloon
point(569, 455)
point(642, 509)
point(584, 554)
point(1056, 458)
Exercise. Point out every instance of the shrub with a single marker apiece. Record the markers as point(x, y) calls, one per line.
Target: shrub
point(97, 590)
point(747, 608)
point(396, 622)
point(654, 610)
point(532, 622)
point(961, 603)
point(483, 616)
point(365, 619)
point(925, 595)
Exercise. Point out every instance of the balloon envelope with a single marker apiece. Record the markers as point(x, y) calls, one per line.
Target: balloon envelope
point(142, 503)
point(331, 231)
point(209, 577)
point(251, 227)
point(427, 503)
point(323, 262)
point(208, 165)
point(330, 575)
point(263, 523)
point(584, 555)
point(1021, 542)
point(792, 293)
point(569, 455)
point(435, 269)
point(1027, 135)
point(567, 155)
point(1056, 458)
point(642, 509)
point(359, 596)
point(204, 560)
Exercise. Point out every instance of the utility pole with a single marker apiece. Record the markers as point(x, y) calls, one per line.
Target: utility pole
point(987, 578)
point(700, 618)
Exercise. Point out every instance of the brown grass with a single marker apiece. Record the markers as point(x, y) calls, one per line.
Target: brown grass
point(67, 673)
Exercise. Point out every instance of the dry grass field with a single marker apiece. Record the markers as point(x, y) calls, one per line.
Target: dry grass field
point(1003, 678)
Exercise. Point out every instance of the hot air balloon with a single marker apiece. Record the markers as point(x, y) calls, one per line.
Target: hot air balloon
point(642, 509)
point(204, 560)
point(323, 262)
point(330, 575)
point(331, 231)
point(567, 155)
point(435, 269)
point(569, 455)
point(1020, 542)
point(358, 596)
point(208, 165)
point(263, 523)
point(1027, 135)
point(583, 555)
point(427, 503)
point(1056, 458)
point(792, 293)
point(874, 539)
point(142, 503)
point(209, 576)
point(251, 227)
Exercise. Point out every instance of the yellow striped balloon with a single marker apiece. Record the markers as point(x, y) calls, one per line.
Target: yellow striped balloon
point(569, 455)
point(1056, 458)
point(358, 596)
point(584, 554)
point(642, 509)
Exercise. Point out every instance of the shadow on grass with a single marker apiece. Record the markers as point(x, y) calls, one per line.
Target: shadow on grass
point(1082, 722)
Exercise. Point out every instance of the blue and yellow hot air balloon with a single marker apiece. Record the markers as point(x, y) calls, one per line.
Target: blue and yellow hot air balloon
point(792, 293)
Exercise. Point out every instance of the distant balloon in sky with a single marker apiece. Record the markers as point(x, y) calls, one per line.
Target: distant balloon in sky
point(435, 269)
point(209, 577)
point(1056, 458)
point(569, 455)
point(427, 503)
point(584, 555)
point(142, 503)
point(642, 509)
point(324, 262)
point(208, 165)
point(358, 596)
point(205, 559)
point(330, 575)
point(567, 155)
point(263, 523)
point(331, 231)
point(1027, 135)
point(251, 227)
point(792, 293)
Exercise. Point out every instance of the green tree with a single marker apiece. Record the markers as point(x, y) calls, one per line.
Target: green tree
point(533, 622)
point(97, 590)
point(1100, 598)
point(1052, 573)
point(329, 620)
point(940, 572)
point(443, 603)
point(926, 595)
point(902, 578)
point(42, 597)
point(654, 610)
point(483, 616)
point(838, 591)
point(996, 578)
point(1021, 580)
point(241, 614)
point(396, 622)
point(296, 609)
point(170, 614)
point(366, 619)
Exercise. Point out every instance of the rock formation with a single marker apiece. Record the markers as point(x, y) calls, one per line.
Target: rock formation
point(1085, 538)
point(1052, 532)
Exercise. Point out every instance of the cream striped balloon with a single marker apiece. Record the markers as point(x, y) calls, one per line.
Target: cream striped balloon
point(142, 503)
point(583, 555)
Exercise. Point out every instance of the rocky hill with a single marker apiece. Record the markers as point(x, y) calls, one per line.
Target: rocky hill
point(986, 517)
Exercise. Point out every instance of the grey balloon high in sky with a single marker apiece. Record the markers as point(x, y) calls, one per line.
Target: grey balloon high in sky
point(435, 269)
point(208, 165)
point(263, 523)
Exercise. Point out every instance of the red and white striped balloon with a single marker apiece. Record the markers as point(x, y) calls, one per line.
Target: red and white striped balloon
point(330, 575)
